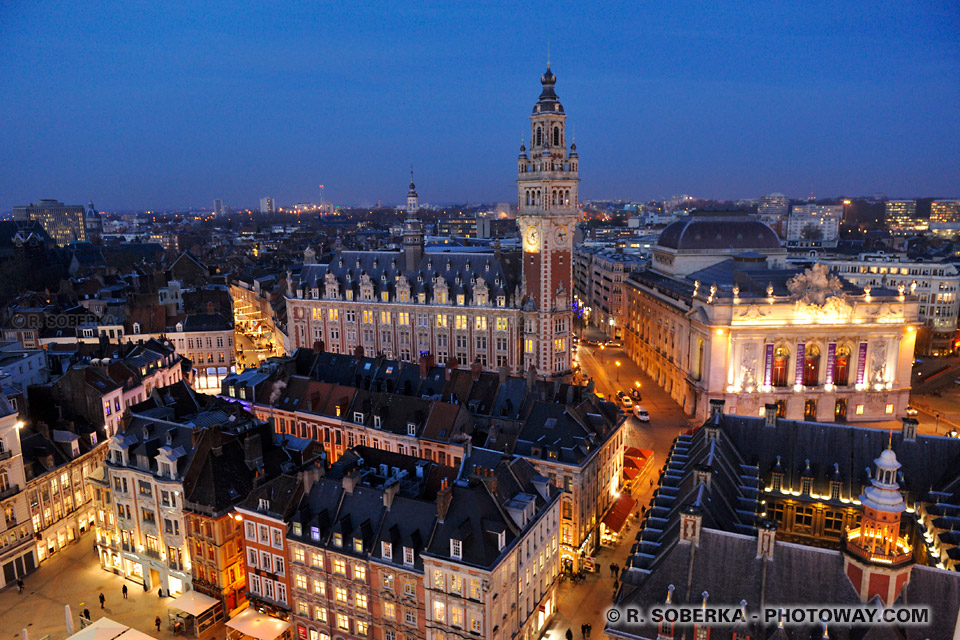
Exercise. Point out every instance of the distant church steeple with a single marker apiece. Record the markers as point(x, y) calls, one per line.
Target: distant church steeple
point(413, 202)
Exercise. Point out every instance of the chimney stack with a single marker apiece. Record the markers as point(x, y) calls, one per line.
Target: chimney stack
point(531, 377)
point(426, 363)
point(475, 369)
point(450, 367)
point(389, 493)
point(716, 408)
point(766, 538)
point(909, 430)
point(504, 373)
point(444, 498)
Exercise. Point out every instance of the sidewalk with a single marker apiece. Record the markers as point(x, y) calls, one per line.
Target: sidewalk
point(588, 601)
point(73, 576)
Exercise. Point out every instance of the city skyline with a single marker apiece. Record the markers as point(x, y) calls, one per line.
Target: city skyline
point(248, 103)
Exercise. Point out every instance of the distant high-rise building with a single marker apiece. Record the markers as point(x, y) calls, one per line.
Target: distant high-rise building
point(267, 205)
point(65, 223)
point(413, 201)
point(218, 207)
point(773, 210)
point(945, 211)
point(814, 225)
point(901, 217)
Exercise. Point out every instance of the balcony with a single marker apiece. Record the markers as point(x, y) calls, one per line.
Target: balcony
point(12, 490)
point(150, 553)
point(5, 454)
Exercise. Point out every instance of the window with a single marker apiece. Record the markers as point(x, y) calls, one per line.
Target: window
point(319, 587)
point(474, 589)
point(456, 549)
point(407, 555)
point(461, 322)
point(439, 612)
point(781, 359)
point(475, 625)
point(360, 573)
point(410, 617)
point(438, 580)
point(841, 366)
point(301, 582)
point(362, 627)
point(388, 581)
point(389, 611)
point(386, 550)
point(340, 566)
point(480, 323)
point(358, 545)
point(811, 366)
point(456, 617)
point(501, 323)
point(320, 614)
point(456, 584)
point(441, 321)
point(298, 555)
point(360, 601)
point(803, 517)
point(384, 317)
point(343, 622)
point(403, 318)
point(409, 588)
point(341, 594)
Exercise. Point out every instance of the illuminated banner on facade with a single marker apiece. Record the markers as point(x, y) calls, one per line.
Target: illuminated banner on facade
point(831, 356)
point(801, 352)
point(861, 362)
point(768, 365)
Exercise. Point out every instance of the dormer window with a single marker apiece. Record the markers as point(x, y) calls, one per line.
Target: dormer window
point(179, 326)
point(501, 301)
point(456, 549)
point(386, 550)
point(411, 429)
point(805, 485)
point(136, 327)
point(338, 539)
point(376, 421)
point(358, 545)
point(358, 417)
point(407, 555)
point(777, 482)
point(264, 505)
point(834, 490)
point(385, 296)
point(315, 533)
point(422, 298)
point(501, 540)
point(461, 299)
point(297, 529)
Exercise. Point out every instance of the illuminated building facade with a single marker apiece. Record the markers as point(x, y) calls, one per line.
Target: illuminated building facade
point(718, 316)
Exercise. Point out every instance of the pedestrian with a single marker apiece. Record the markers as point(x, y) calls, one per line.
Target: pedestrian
point(19, 585)
point(157, 622)
point(160, 592)
point(569, 634)
point(124, 592)
point(583, 630)
point(102, 600)
point(589, 629)
point(86, 614)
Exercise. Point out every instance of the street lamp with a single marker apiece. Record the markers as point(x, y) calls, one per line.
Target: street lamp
point(602, 347)
point(618, 370)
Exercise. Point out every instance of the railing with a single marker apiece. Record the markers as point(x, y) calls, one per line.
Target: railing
point(9, 491)
point(6, 454)
point(151, 553)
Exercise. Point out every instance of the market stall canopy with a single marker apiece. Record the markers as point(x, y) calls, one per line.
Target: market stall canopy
point(259, 626)
point(107, 629)
point(193, 603)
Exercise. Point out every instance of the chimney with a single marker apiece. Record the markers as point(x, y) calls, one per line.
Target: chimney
point(475, 370)
point(504, 373)
point(426, 363)
point(350, 481)
point(766, 538)
point(691, 519)
point(444, 497)
point(770, 415)
point(389, 493)
point(450, 367)
point(716, 408)
point(909, 430)
point(531, 377)
point(702, 473)
point(253, 451)
point(312, 474)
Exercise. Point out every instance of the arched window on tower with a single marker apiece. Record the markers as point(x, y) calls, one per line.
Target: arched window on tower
point(539, 136)
point(556, 136)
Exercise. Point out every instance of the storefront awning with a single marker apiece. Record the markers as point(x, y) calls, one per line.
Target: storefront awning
point(618, 514)
point(193, 603)
point(257, 625)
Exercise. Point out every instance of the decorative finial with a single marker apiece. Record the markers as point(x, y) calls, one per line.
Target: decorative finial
point(548, 53)
point(890, 441)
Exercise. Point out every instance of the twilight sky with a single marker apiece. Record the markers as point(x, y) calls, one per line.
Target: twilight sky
point(172, 104)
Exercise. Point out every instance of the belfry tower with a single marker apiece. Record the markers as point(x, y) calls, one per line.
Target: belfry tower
point(547, 182)
point(413, 202)
point(877, 559)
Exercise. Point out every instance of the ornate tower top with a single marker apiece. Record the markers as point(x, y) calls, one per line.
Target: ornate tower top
point(413, 187)
point(548, 102)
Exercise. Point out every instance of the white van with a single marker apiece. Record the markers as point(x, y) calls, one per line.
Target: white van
point(641, 413)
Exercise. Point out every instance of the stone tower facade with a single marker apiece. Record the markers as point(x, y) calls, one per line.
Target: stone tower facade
point(547, 182)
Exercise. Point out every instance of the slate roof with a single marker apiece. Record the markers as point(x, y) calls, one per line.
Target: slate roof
point(461, 272)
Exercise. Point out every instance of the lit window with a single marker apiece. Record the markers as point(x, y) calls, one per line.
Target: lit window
point(360, 573)
point(439, 612)
point(480, 323)
point(343, 622)
point(341, 594)
point(340, 567)
point(361, 600)
point(389, 610)
point(889, 408)
point(301, 582)
point(358, 545)
point(859, 409)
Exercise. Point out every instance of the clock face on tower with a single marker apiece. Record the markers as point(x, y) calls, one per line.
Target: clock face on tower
point(561, 235)
point(533, 237)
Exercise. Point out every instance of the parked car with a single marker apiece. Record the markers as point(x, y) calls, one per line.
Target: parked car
point(641, 413)
point(627, 402)
point(911, 411)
